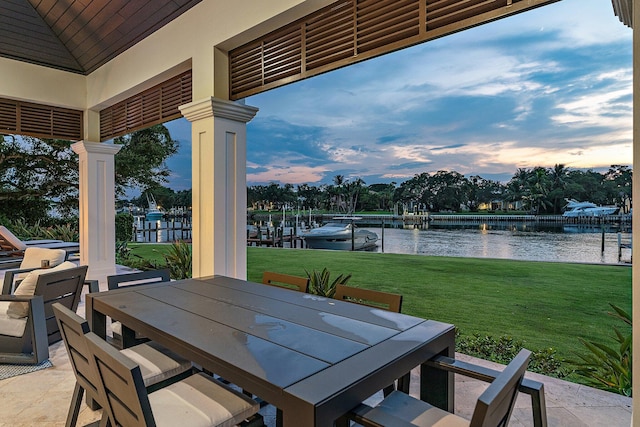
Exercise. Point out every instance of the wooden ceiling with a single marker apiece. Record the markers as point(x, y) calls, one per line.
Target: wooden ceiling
point(80, 35)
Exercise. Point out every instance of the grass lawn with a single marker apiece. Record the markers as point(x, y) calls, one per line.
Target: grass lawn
point(547, 305)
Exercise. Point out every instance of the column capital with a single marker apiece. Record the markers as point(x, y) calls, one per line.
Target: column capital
point(83, 147)
point(214, 107)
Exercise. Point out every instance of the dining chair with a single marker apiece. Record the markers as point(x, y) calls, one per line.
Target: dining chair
point(118, 281)
point(159, 367)
point(196, 401)
point(287, 281)
point(493, 407)
point(376, 299)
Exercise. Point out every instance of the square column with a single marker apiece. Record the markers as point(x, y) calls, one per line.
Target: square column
point(219, 185)
point(97, 207)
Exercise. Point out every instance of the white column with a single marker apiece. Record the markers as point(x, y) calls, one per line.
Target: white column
point(635, 225)
point(219, 185)
point(97, 207)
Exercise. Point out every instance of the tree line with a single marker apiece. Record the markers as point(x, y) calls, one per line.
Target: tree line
point(39, 177)
point(537, 190)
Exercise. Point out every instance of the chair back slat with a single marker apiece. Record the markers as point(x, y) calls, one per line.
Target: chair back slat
point(62, 287)
point(138, 278)
point(382, 300)
point(72, 329)
point(495, 405)
point(288, 281)
point(121, 385)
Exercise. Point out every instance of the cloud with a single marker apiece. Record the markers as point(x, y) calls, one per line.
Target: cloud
point(552, 85)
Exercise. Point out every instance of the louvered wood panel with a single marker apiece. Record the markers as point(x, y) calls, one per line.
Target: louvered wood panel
point(8, 116)
point(350, 31)
point(41, 121)
point(67, 124)
point(380, 23)
point(330, 36)
point(246, 67)
point(156, 105)
point(151, 106)
point(282, 55)
point(446, 12)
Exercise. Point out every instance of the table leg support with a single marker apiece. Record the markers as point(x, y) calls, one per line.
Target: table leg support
point(437, 385)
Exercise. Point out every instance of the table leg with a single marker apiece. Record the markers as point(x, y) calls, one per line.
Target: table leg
point(437, 385)
point(97, 321)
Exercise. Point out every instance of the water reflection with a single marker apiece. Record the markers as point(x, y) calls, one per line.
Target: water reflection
point(523, 241)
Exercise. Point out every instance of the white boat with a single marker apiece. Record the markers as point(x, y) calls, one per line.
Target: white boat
point(340, 236)
point(575, 209)
point(153, 214)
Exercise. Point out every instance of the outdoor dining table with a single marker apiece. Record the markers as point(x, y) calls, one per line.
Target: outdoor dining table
point(312, 357)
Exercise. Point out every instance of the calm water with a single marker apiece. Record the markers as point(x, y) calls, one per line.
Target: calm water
point(515, 241)
point(524, 241)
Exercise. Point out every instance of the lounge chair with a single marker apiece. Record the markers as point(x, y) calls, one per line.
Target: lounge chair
point(33, 259)
point(27, 322)
point(12, 247)
point(23, 340)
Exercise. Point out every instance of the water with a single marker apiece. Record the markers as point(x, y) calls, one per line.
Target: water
point(161, 231)
point(563, 243)
point(521, 241)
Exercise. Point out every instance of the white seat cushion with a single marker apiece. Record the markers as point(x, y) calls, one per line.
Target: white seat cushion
point(200, 401)
point(157, 363)
point(8, 325)
point(413, 411)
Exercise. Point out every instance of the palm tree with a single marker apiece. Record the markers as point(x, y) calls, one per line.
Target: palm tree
point(558, 176)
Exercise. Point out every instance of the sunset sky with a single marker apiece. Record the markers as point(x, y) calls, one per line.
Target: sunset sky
point(553, 85)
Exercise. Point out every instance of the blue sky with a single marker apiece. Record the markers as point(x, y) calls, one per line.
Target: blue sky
point(553, 85)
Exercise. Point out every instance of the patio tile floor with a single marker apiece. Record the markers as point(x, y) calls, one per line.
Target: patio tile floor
point(43, 397)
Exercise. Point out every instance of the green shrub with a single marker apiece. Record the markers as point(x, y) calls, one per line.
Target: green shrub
point(505, 348)
point(57, 230)
point(319, 283)
point(609, 366)
point(64, 232)
point(124, 227)
point(179, 259)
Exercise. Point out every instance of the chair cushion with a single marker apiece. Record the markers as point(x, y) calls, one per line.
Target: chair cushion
point(8, 325)
point(157, 363)
point(200, 401)
point(414, 411)
point(28, 287)
point(33, 257)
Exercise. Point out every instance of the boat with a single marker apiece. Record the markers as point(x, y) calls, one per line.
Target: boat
point(339, 235)
point(575, 209)
point(153, 213)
